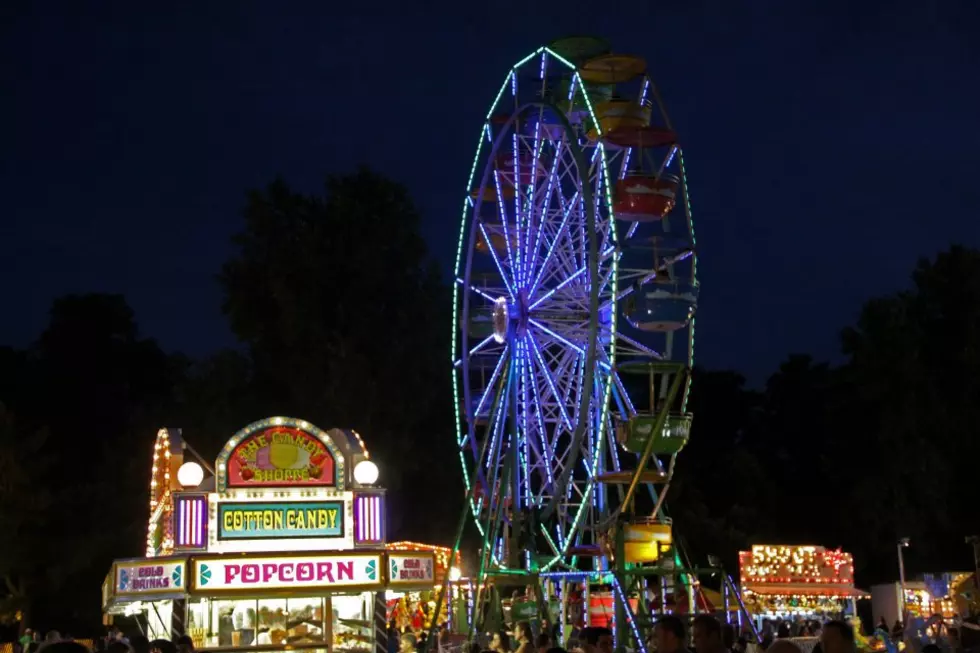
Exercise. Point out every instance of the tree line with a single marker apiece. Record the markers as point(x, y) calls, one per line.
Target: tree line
point(343, 319)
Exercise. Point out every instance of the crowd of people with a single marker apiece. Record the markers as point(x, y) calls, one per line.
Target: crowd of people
point(670, 635)
point(114, 642)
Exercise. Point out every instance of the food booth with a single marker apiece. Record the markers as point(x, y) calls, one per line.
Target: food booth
point(805, 581)
point(282, 547)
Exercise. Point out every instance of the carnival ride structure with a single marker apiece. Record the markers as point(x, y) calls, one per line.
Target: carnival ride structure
point(574, 305)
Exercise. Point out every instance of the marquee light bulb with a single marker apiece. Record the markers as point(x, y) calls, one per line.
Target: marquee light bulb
point(190, 474)
point(366, 473)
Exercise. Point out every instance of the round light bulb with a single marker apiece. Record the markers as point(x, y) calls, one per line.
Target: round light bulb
point(366, 473)
point(190, 474)
point(455, 574)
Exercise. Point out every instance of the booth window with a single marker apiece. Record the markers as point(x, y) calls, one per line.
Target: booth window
point(290, 621)
point(352, 622)
point(264, 622)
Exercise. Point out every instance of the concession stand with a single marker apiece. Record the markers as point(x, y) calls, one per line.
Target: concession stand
point(282, 547)
point(798, 581)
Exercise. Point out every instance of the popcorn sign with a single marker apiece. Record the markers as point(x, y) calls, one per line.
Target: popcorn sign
point(262, 573)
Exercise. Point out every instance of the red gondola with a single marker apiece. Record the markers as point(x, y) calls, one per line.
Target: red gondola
point(645, 198)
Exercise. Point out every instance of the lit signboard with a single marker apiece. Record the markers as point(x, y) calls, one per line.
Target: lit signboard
point(138, 578)
point(281, 452)
point(268, 520)
point(260, 521)
point(325, 572)
point(411, 569)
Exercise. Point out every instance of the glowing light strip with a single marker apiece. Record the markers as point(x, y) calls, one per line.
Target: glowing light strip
point(542, 433)
point(551, 248)
point(551, 292)
point(694, 270)
point(525, 405)
point(518, 268)
point(493, 255)
point(557, 337)
point(493, 379)
point(560, 58)
point(191, 516)
point(482, 344)
point(467, 204)
point(551, 384)
point(612, 344)
point(368, 515)
point(629, 616)
point(547, 201)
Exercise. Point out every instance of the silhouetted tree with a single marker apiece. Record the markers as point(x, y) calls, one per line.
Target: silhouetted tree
point(346, 324)
point(98, 390)
point(25, 552)
point(914, 366)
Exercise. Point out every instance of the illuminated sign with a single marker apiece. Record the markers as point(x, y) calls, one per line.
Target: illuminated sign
point(258, 521)
point(411, 569)
point(190, 521)
point(369, 519)
point(270, 520)
point(143, 577)
point(281, 456)
point(287, 572)
point(782, 564)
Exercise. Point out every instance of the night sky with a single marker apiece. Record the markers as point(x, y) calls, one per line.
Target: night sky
point(829, 144)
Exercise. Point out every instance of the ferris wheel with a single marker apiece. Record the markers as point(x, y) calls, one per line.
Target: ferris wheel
point(574, 299)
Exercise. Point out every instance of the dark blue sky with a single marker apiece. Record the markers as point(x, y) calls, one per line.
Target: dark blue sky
point(829, 143)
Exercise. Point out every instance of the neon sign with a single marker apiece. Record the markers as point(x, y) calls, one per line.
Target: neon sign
point(150, 577)
point(287, 572)
point(258, 521)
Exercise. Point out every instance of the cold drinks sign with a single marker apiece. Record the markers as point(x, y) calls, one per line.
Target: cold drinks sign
point(143, 577)
point(250, 573)
point(414, 569)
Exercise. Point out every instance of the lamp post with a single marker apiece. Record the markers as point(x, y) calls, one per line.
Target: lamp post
point(902, 543)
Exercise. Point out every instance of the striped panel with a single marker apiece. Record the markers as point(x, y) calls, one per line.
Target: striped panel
point(368, 519)
point(191, 522)
point(380, 623)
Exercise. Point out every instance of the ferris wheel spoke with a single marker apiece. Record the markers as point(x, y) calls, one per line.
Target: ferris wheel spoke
point(496, 261)
point(486, 293)
point(502, 211)
point(550, 381)
point(540, 195)
point(529, 425)
point(637, 347)
point(566, 215)
point(533, 382)
point(497, 431)
point(557, 337)
point(490, 384)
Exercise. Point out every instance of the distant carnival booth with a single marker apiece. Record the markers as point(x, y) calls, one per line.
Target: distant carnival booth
point(283, 547)
point(798, 581)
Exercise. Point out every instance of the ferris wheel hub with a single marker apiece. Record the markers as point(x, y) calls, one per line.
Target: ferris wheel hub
point(501, 318)
point(510, 318)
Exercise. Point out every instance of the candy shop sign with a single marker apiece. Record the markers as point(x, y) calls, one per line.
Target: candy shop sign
point(275, 573)
point(281, 456)
point(149, 577)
